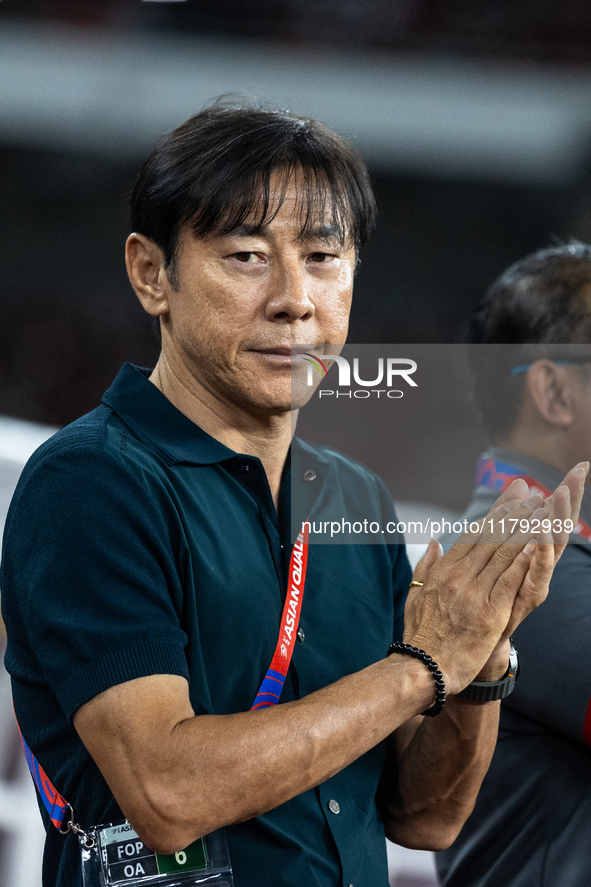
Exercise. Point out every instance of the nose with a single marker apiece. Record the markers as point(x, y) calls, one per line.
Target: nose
point(289, 299)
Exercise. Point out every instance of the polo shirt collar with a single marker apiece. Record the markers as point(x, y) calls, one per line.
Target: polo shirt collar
point(156, 420)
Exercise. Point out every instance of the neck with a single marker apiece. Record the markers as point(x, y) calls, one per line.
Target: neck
point(267, 437)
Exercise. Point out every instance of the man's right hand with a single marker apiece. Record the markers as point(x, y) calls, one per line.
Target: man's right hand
point(477, 593)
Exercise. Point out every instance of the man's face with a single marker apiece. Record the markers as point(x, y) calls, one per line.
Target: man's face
point(244, 299)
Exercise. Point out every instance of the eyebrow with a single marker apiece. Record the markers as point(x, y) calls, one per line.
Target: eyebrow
point(324, 232)
point(327, 233)
point(248, 229)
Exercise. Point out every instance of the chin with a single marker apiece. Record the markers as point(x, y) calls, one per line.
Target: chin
point(267, 402)
point(276, 396)
point(277, 406)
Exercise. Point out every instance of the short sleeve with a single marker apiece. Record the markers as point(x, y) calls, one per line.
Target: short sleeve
point(90, 591)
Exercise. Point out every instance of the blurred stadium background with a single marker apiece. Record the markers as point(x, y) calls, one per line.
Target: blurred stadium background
point(473, 115)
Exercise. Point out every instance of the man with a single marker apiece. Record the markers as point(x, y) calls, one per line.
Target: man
point(530, 825)
point(146, 555)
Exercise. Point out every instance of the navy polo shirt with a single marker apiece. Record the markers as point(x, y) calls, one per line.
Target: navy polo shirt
point(137, 544)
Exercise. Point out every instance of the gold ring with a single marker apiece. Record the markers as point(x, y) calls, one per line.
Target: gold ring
point(416, 584)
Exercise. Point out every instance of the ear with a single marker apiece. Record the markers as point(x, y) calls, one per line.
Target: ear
point(147, 273)
point(548, 386)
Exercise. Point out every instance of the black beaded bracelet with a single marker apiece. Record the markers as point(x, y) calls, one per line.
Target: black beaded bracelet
point(398, 647)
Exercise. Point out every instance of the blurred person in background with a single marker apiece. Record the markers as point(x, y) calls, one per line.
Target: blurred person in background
point(530, 826)
point(147, 572)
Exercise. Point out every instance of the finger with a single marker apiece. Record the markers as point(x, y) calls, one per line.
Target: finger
point(517, 489)
point(525, 527)
point(491, 532)
point(428, 560)
point(575, 481)
point(534, 587)
point(504, 593)
point(544, 525)
point(561, 523)
point(508, 523)
point(542, 564)
point(516, 492)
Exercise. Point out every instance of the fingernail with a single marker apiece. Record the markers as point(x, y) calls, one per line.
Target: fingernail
point(534, 498)
point(530, 548)
point(584, 466)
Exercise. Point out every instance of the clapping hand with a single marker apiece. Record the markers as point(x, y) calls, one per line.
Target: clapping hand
point(476, 594)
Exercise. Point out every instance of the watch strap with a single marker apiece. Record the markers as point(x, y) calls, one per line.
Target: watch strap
point(490, 691)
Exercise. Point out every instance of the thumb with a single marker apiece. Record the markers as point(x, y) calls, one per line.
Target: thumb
point(428, 560)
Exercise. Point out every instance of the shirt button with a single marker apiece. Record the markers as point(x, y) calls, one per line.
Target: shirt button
point(246, 466)
point(309, 475)
point(301, 635)
point(334, 806)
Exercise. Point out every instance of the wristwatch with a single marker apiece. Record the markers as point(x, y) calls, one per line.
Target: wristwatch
point(488, 691)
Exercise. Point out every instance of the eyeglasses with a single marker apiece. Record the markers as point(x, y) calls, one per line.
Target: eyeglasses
point(559, 363)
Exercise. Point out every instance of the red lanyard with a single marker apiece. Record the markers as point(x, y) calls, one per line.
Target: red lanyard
point(59, 810)
point(272, 685)
point(498, 475)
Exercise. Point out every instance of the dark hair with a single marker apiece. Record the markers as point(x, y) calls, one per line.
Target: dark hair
point(213, 173)
point(540, 300)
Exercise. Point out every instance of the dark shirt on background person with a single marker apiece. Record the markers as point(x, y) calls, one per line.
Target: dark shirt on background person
point(531, 359)
point(530, 825)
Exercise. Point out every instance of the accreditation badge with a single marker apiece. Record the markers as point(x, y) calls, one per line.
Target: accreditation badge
point(114, 856)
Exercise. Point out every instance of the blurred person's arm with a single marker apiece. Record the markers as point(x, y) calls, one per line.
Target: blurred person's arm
point(554, 686)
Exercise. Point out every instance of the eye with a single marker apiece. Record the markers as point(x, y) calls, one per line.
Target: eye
point(245, 257)
point(320, 257)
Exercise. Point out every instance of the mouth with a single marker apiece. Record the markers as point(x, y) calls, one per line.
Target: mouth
point(285, 354)
point(292, 350)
